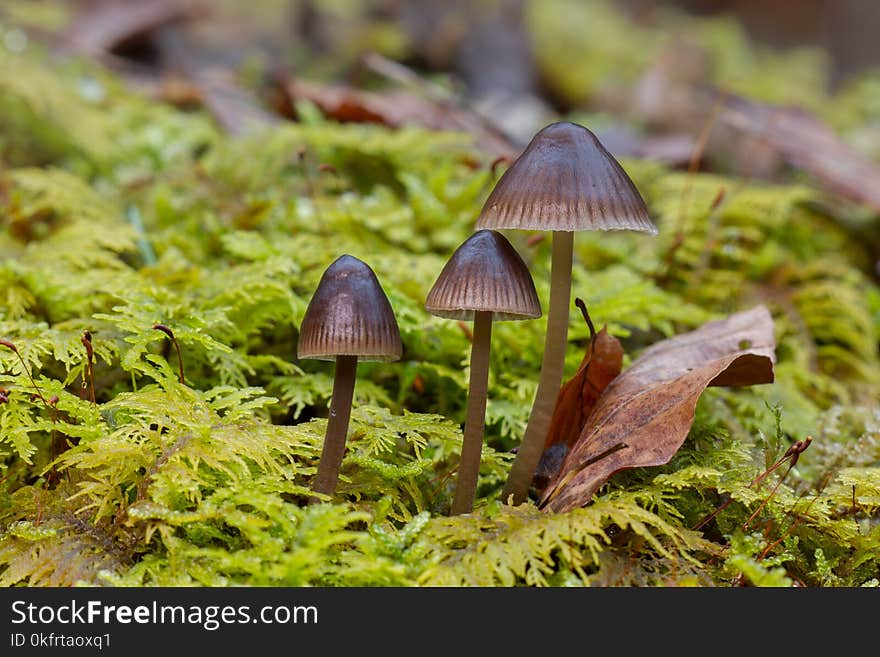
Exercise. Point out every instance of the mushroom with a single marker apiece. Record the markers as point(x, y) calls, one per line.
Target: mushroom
point(484, 280)
point(563, 181)
point(348, 317)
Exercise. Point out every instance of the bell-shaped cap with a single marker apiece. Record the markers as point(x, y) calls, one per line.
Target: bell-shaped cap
point(485, 273)
point(566, 180)
point(349, 315)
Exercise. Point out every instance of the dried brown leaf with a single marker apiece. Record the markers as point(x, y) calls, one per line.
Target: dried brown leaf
point(807, 143)
point(601, 364)
point(399, 107)
point(644, 415)
point(391, 108)
point(110, 25)
point(675, 149)
point(577, 397)
point(234, 108)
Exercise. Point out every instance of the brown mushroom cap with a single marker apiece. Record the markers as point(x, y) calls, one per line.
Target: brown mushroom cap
point(484, 274)
point(349, 315)
point(566, 180)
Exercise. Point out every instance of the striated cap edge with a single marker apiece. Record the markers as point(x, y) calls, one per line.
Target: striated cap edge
point(565, 180)
point(349, 315)
point(484, 274)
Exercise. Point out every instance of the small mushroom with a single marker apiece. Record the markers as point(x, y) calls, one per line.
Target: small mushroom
point(348, 317)
point(484, 280)
point(563, 181)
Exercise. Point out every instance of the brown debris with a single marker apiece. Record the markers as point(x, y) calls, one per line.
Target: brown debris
point(601, 364)
point(807, 143)
point(644, 415)
point(110, 25)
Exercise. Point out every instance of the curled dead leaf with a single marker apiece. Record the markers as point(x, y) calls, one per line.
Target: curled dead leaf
point(806, 142)
point(644, 415)
point(601, 364)
point(109, 25)
point(398, 107)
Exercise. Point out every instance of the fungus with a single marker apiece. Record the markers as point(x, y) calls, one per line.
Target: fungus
point(485, 280)
point(348, 317)
point(563, 181)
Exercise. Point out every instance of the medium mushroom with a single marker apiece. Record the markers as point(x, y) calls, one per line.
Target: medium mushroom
point(563, 181)
point(484, 280)
point(348, 317)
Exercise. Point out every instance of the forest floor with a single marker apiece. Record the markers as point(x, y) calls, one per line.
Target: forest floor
point(174, 181)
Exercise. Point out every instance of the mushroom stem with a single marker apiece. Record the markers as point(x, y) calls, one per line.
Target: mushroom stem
point(475, 420)
point(552, 367)
point(337, 426)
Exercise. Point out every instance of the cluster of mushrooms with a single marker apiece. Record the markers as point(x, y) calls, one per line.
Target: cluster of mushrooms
point(564, 181)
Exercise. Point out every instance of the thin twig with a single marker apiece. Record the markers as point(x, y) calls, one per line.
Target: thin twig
point(9, 345)
point(167, 331)
point(89, 373)
point(792, 454)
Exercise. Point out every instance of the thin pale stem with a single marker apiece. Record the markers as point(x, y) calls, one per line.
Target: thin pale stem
point(337, 426)
point(475, 420)
point(552, 367)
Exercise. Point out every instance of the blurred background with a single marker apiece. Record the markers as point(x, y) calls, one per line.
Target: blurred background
point(679, 81)
point(845, 29)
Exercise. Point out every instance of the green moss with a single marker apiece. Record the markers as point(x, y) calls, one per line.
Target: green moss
point(119, 213)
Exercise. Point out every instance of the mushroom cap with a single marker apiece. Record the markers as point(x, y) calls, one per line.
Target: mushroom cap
point(484, 274)
point(566, 180)
point(349, 315)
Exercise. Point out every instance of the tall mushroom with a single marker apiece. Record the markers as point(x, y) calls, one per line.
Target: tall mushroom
point(563, 181)
point(348, 317)
point(484, 280)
